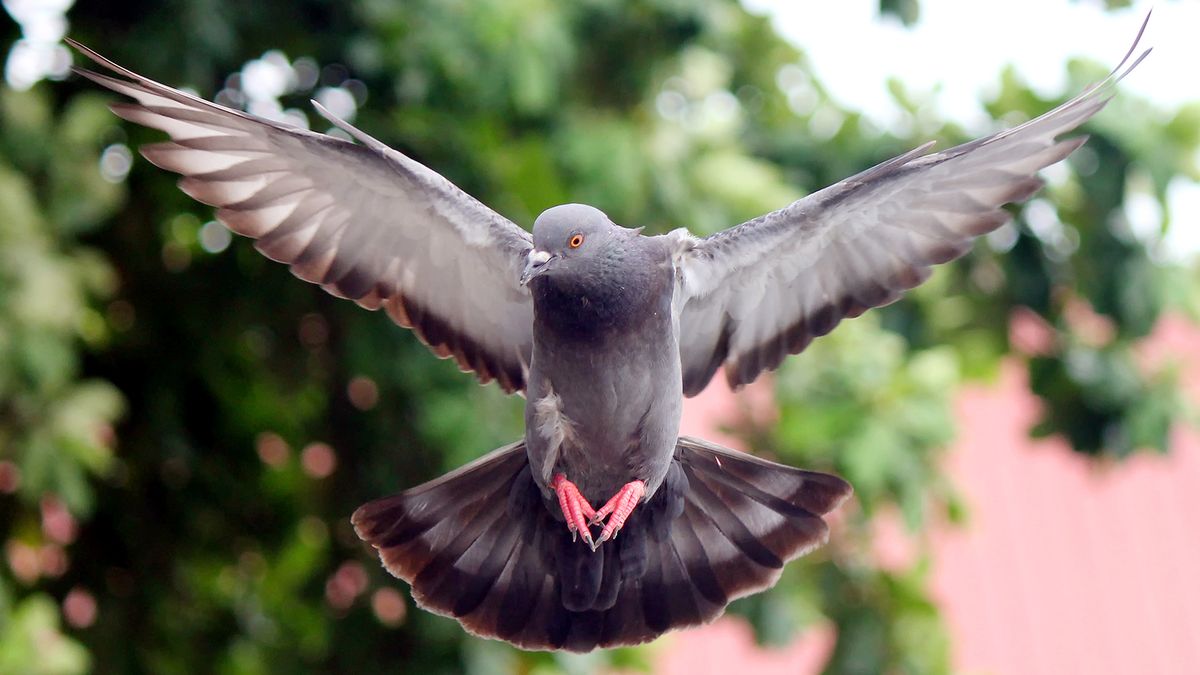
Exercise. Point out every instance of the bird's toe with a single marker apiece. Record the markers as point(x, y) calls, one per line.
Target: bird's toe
point(575, 509)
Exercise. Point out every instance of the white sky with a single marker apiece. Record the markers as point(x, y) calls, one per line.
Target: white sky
point(961, 47)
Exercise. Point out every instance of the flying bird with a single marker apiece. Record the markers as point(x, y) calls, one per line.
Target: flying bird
point(602, 526)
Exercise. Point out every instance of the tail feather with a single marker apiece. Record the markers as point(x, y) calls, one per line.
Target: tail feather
point(750, 515)
point(483, 545)
point(463, 570)
point(437, 535)
point(683, 607)
point(776, 486)
point(408, 518)
point(700, 568)
point(727, 513)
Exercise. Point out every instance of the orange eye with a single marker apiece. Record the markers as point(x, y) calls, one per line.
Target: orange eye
point(576, 241)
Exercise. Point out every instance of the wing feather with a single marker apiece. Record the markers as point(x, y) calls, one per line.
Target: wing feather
point(750, 295)
point(363, 221)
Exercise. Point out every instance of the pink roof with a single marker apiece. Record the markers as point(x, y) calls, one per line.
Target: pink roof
point(1065, 565)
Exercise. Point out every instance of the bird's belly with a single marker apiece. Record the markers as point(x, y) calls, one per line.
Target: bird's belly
point(599, 460)
point(612, 421)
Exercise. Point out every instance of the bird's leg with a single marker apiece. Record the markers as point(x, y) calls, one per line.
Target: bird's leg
point(575, 508)
point(620, 506)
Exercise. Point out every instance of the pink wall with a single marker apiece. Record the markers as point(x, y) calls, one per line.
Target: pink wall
point(1065, 565)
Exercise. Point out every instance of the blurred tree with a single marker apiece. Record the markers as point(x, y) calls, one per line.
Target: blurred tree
point(184, 427)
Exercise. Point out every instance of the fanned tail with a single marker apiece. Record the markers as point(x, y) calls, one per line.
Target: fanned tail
point(484, 545)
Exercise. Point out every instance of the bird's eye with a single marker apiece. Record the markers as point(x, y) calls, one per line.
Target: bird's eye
point(576, 241)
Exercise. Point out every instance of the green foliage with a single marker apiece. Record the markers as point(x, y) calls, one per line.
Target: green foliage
point(908, 11)
point(55, 419)
point(47, 286)
point(31, 641)
point(208, 423)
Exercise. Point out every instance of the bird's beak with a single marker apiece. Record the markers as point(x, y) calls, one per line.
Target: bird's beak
point(536, 264)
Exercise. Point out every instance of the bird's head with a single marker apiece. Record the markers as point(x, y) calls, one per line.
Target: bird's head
point(569, 239)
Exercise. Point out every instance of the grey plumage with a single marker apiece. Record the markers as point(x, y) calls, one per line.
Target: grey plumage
point(605, 331)
point(363, 221)
point(605, 354)
point(479, 545)
point(764, 289)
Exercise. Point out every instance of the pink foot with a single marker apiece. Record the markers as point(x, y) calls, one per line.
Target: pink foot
point(620, 506)
point(575, 508)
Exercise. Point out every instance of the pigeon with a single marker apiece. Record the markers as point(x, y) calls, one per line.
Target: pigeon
point(602, 526)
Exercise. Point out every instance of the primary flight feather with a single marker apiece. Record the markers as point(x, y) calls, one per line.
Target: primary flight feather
point(605, 331)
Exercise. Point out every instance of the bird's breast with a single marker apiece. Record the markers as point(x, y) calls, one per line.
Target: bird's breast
point(606, 304)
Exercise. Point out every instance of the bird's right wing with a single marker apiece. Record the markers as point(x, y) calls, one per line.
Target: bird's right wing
point(364, 221)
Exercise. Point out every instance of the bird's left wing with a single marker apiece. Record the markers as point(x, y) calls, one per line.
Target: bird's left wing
point(753, 294)
point(364, 221)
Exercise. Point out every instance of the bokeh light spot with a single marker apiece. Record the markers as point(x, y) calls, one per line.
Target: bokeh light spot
point(23, 561)
point(272, 449)
point(115, 162)
point(318, 460)
point(345, 585)
point(338, 101)
point(214, 237)
point(79, 607)
point(389, 607)
point(57, 522)
point(10, 477)
point(363, 392)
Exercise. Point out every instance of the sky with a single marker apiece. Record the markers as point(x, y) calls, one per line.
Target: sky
point(960, 48)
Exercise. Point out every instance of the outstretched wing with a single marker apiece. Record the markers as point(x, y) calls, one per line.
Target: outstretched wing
point(364, 221)
point(755, 293)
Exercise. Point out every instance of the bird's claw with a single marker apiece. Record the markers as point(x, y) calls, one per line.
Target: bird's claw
point(575, 509)
point(580, 515)
point(620, 506)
